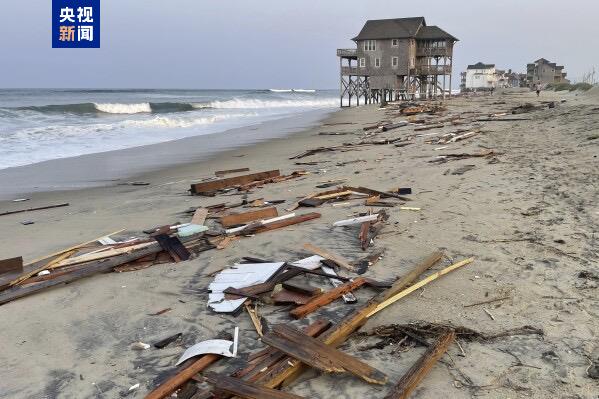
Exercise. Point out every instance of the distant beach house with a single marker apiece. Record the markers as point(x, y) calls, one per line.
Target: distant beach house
point(481, 76)
point(544, 72)
point(485, 77)
point(396, 58)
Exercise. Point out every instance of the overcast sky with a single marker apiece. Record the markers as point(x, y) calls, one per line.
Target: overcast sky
point(277, 43)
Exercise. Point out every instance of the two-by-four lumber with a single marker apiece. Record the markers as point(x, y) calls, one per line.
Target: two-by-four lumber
point(330, 255)
point(245, 389)
point(319, 355)
point(327, 297)
point(286, 372)
point(410, 380)
point(283, 223)
point(180, 378)
point(211, 186)
point(243, 218)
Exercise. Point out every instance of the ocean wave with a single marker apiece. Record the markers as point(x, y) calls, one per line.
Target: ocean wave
point(292, 90)
point(249, 103)
point(110, 108)
point(118, 108)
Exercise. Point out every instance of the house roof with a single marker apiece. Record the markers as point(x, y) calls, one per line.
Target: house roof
point(480, 65)
point(433, 32)
point(397, 28)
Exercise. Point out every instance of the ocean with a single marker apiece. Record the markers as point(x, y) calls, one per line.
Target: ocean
point(42, 125)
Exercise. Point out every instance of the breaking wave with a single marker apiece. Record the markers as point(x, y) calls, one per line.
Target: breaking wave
point(239, 103)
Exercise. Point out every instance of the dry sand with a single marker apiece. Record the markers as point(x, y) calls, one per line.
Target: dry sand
point(529, 216)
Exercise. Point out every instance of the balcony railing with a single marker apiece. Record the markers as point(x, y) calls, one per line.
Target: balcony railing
point(433, 51)
point(354, 71)
point(347, 52)
point(433, 69)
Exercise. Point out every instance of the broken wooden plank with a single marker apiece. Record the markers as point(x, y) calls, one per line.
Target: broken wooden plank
point(419, 285)
point(220, 173)
point(211, 186)
point(327, 297)
point(11, 265)
point(358, 220)
point(243, 218)
point(336, 194)
point(369, 260)
point(319, 355)
point(382, 194)
point(336, 281)
point(285, 296)
point(245, 389)
point(283, 223)
point(305, 289)
point(174, 382)
point(363, 236)
point(173, 246)
point(39, 208)
point(199, 216)
point(297, 204)
point(410, 380)
point(338, 259)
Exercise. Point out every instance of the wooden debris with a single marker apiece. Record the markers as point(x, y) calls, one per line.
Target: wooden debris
point(364, 263)
point(391, 126)
point(254, 317)
point(34, 209)
point(243, 218)
point(220, 173)
point(285, 296)
point(358, 220)
point(173, 246)
point(363, 236)
point(410, 380)
point(382, 194)
point(338, 259)
point(212, 186)
point(327, 297)
point(199, 216)
point(336, 281)
point(245, 389)
point(167, 341)
point(302, 288)
point(184, 375)
point(281, 223)
point(419, 285)
point(319, 355)
point(11, 265)
point(336, 194)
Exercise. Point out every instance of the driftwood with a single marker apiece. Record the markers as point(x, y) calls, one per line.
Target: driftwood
point(410, 380)
point(212, 186)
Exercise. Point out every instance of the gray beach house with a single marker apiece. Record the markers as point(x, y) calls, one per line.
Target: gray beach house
point(396, 58)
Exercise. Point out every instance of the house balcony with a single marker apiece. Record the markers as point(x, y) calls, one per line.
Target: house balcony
point(433, 69)
point(433, 52)
point(353, 71)
point(347, 53)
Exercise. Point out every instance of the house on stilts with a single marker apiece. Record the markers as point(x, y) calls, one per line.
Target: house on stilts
point(396, 59)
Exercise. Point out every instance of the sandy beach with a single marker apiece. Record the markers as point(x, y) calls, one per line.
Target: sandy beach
point(527, 213)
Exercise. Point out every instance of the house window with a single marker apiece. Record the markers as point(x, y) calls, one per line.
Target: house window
point(362, 62)
point(369, 45)
point(394, 61)
point(395, 42)
point(377, 62)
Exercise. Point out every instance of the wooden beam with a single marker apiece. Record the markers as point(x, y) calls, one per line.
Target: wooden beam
point(35, 209)
point(174, 382)
point(319, 355)
point(11, 265)
point(284, 223)
point(243, 218)
point(245, 389)
point(419, 285)
point(211, 186)
point(327, 297)
point(410, 380)
point(330, 255)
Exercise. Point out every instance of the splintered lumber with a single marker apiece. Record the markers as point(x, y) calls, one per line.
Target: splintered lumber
point(199, 216)
point(283, 223)
point(242, 218)
point(297, 204)
point(211, 186)
point(35, 209)
point(358, 220)
point(410, 380)
point(338, 259)
point(382, 194)
point(363, 236)
point(220, 173)
point(171, 385)
point(285, 372)
point(327, 297)
point(245, 389)
point(419, 285)
point(173, 246)
point(337, 194)
point(99, 266)
point(320, 355)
